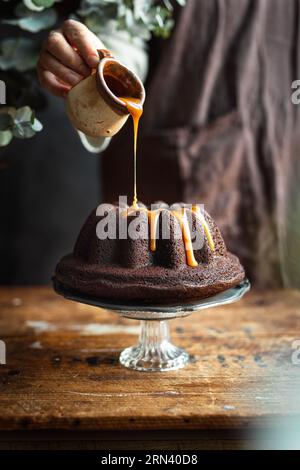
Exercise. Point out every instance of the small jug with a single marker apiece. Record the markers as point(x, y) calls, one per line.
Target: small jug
point(93, 105)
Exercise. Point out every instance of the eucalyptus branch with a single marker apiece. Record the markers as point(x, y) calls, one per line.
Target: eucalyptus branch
point(20, 123)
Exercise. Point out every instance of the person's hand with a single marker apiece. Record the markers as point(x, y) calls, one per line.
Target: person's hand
point(67, 56)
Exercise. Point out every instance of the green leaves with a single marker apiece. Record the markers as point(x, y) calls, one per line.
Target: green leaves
point(39, 5)
point(32, 21)
point(140, 18)
point(5, 138)
point(44, 3)
point(18, 53)
point(20, 123)
point(6, 121)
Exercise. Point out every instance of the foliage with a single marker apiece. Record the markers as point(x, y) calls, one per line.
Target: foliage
point(18, 53)
point(139, 17)
point(39, 5)
point(31, 20)
point(20, 123)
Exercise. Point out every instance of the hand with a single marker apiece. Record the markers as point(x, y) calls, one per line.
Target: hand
point(67, 56)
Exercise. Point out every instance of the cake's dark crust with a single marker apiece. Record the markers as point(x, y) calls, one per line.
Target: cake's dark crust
point(118, 270)
point(151, 284)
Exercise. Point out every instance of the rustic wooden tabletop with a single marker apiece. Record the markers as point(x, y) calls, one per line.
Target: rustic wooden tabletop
point(62, 371)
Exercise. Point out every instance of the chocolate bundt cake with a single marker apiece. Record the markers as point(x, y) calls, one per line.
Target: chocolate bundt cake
point(159, 256)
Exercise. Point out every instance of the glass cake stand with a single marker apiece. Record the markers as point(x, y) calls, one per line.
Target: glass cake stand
point(154, 351)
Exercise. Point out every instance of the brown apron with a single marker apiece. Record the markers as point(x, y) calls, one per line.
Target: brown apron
point(219, 126)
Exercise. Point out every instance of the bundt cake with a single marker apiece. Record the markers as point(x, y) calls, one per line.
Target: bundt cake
point(138, 256)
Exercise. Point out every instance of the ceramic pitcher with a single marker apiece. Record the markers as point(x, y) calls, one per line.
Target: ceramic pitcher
point(93, 105)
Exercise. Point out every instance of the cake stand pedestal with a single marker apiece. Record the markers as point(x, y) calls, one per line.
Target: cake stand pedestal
point(154, 351)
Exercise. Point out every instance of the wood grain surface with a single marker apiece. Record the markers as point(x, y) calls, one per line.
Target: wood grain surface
point(63, 373)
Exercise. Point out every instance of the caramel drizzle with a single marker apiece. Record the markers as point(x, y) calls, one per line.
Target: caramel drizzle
point(180, 215)
point(135, 108)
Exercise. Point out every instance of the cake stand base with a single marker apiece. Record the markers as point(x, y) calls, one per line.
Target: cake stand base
point(154, 352)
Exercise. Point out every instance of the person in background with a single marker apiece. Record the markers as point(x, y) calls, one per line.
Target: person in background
point(219, 125)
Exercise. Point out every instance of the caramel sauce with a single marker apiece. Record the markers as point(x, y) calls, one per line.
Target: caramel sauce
point(135, 108)
point(186, 235)
point(181, 216)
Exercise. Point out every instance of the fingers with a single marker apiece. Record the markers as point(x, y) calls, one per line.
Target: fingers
point(50, 82)
point(58, 46)
point(50, 63)
point(81, 38)
point(67, 57)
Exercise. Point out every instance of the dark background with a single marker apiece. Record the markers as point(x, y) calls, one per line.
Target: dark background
point(48, 185)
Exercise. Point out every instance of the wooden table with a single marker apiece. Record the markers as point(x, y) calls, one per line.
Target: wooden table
point(63, 386)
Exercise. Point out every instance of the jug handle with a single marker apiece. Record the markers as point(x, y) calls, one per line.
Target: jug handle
point(104, 53)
